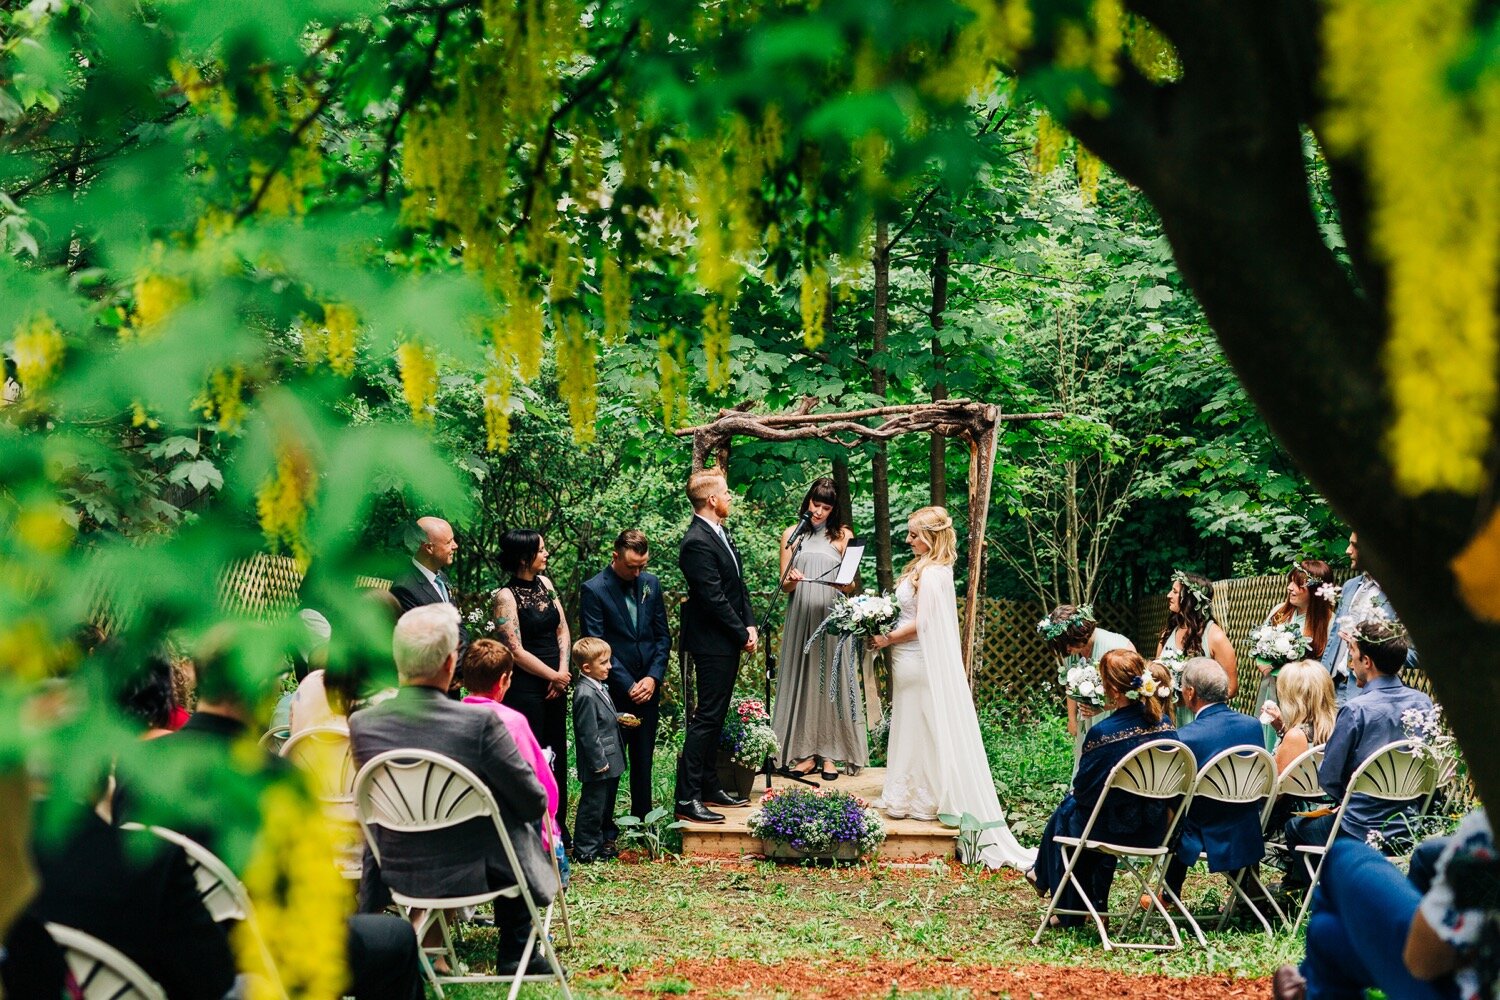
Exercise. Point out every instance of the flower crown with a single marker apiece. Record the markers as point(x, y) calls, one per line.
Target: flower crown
point(1358, 632)
point(1146, 685)
point(1199, 594)
point(1050, 630)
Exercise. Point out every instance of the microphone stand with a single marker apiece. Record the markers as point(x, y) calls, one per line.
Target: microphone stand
point(768, 768)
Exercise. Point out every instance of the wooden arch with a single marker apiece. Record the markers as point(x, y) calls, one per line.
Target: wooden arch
point(977, 424)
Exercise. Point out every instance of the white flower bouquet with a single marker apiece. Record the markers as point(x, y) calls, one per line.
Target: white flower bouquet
point(1082, 682)
point(864, 616)
point(1174, 661)
point(852, 620)
point(1279, 644)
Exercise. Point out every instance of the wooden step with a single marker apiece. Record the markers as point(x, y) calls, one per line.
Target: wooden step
point(905, 839)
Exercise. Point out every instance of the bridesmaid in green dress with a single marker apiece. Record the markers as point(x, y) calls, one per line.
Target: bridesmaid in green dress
point(1191, 631)
point(1311, 598)
point(1073, 634)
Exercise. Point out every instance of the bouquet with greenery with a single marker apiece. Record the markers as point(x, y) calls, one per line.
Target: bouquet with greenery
point(1174, 661)
point(852, 620)
point(1082, 682)
point(817, 821)
point(747, 734)
point(1279, 644)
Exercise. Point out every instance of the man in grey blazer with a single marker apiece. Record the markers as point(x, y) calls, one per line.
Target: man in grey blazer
point(466, 858)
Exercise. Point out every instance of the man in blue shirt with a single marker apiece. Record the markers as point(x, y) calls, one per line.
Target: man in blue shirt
point(1367, 722)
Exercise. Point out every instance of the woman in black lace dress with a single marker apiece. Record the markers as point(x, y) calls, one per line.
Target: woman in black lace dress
point(533, 626)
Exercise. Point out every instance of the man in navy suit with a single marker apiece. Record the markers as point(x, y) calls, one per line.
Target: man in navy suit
point(1231, 834)
point(623, 605)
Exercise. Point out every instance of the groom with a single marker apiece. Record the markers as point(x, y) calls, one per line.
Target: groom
point(717, 625)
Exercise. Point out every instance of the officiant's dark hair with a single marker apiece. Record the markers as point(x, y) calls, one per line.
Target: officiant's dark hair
point(518, 547)
point(825, 490)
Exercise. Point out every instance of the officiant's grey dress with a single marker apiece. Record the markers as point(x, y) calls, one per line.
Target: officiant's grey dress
point(806, 720)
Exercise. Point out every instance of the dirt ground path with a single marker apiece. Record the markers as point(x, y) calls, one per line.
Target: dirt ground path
point(874, 977)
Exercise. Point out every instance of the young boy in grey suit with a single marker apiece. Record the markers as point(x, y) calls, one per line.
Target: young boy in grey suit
point(600, 755)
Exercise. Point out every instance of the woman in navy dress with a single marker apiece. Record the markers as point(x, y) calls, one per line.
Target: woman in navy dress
point(1136, 719)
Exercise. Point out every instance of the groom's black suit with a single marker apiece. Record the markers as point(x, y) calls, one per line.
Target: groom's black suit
point(716, 623)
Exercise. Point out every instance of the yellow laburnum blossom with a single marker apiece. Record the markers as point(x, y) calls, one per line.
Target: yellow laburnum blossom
point(1051, 139)
point(1088, 175)
point(43, 528)
point(496, 390)
point(27, 652)
point(614, 290)
point(226, 389)
point(283, 500)
point(577, 375)
point(814, 305)
point(671, 361)
point(419, 380)
point(299, 902)
point(1432, 147)
point(341, 337)
point(1109, 37)
point(716, 337)
point(995, 34)
point(37, 350)
point(1150, 52)
point(156, 297)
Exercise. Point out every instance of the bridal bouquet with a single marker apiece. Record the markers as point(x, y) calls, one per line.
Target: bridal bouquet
point(1279, 644)
point(852, 620)
point(747, 735)
point(1082, 682)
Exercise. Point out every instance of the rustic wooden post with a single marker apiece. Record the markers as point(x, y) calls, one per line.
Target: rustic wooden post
point(983, 440)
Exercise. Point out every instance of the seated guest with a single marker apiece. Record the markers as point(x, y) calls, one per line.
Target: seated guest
point(1229, 833)
point(310, 654)
point(465, 859)
point(1304, 711)
point(200, 782)
point(1371, 928)
point(147, 696)
point(1367, 722)
point(135, 893)
point(488, 668)
point(1140, 697)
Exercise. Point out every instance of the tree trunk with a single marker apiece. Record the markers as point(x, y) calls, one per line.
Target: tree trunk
point(880, 472)
point(841, 483)
point(937, 456)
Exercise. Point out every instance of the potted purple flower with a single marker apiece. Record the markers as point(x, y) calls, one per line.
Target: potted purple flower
point(816, 823)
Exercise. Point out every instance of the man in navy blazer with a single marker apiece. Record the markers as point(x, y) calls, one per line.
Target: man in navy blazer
point(623, 605)
point(1230, 834)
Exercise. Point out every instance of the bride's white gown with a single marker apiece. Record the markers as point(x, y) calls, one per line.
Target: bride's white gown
point(936, 762)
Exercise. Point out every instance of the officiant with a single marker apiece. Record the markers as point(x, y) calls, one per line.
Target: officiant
point(623, 605)
point(818, 715)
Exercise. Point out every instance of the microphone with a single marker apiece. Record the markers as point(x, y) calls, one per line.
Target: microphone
point(804, 525)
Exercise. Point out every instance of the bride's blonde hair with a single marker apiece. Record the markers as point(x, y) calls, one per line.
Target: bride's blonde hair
point(935, 527)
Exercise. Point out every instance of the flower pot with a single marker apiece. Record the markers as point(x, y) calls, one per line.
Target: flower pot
point(733, 776)
point(782, 850)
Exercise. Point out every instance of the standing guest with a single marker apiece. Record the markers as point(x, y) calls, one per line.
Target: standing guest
point(1360, 600)
point(1229, 833)
point(535, 630)
point(600, 759)
point(466, 859)
point(1310, 599)
point(432, 548)
point(488, 670)
point(1377, 652)
point(623, 605)
point(815, 726)
point(1074, 635)
point(1191, 631)
point(1131, 820)
point(717, 625)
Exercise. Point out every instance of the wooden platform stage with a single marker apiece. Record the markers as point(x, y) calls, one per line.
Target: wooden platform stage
point(906, 839)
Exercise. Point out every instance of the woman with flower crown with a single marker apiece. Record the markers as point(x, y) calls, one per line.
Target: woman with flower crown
point(1311, 598)
point(1072, 633)
point(1140, 695)
point(936, 762)
point(1191, 631)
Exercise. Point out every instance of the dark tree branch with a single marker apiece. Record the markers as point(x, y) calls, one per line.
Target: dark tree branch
point(78, 162)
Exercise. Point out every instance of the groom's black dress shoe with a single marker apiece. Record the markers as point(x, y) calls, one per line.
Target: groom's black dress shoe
point(723, 798)
point(697, 812)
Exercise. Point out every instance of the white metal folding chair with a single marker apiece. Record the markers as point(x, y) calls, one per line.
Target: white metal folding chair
point(1161, 769)
point(562, 896)
point(221, 891)
point(322, 753)
point(1401, 771)
point(1244, 776)
point(420, 791)
point(272, 739)
point(102, 972)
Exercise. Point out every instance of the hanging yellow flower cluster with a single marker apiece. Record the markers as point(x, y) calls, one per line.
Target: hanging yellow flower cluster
point(225, 399)
point(300, 903)
point(614, 292)
point(37, 350)
point(27, 652)
point(814, 305)
point(156, 297)
point(335, 340)
point(576, 355)
point(419, 379)
point(1087, 165)
point(1150, 52)
point(1051, 140)
point(994, 36)
point(283, 500)
point(496, 391)
point(671, 363)
point(1432, 146)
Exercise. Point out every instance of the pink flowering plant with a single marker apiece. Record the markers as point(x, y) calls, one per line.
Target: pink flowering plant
point(817, 821)
point(747, 735)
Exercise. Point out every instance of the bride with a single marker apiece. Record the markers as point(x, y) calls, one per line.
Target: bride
point(936, 763)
